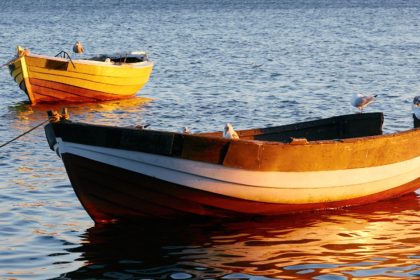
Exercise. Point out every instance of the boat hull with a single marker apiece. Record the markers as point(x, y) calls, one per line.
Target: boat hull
point(55, 79)
point(110, 193)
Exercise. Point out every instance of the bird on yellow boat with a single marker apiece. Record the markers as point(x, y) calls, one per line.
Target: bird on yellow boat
point(360, 101)
point(229, 132)
point(416, 107)
point(22, 52)
point(78, 47)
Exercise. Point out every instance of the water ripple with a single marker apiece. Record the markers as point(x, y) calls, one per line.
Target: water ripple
point(252, 63)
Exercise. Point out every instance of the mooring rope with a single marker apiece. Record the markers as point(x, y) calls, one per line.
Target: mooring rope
point(13, 60)
point(26, 132)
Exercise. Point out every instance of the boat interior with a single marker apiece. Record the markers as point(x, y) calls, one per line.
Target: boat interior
point(340, 127)
point(132, 57)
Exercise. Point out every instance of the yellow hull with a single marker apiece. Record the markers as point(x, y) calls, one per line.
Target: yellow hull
point(54, 79)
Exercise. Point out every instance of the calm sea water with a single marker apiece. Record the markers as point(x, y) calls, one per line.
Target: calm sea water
point(252, 63)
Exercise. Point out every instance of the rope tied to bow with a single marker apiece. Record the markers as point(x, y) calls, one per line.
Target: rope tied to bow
point(53, 116)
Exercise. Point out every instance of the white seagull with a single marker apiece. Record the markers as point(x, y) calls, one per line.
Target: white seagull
point(229, 133)
point(360, 101)
point(185, 130)
point(416, 107)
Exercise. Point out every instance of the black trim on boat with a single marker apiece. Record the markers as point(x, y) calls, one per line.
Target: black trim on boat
point(416, 121)
point(171, 143)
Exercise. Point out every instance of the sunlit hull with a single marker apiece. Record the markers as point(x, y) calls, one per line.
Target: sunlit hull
point(55, 79)
point(154, 174)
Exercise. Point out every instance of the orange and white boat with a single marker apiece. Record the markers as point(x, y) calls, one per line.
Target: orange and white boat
point(57, 79)
point(127, 173)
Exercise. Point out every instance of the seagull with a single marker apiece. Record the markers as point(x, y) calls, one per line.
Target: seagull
point(78, 47)
point(186, 130)
point(229, 132)
point(360, 101)
point(142, 126)
point(416, 107)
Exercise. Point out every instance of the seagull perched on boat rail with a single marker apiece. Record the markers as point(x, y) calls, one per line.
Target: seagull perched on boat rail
point(229, 132)
point(185, 130)
point(78, 47)
point(360, 101)
point(416, 107)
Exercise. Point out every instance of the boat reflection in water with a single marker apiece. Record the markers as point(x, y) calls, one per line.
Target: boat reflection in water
point(106, 112)
point(379, 240)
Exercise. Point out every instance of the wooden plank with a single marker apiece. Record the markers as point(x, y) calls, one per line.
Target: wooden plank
point(91, 85)
point(148, 141)
point(339, 127)
point(252, 155)
point(90, 67)
point(58, 91)
point(324, 155)
point(99, 78)
point(207, 149)
point(115, 193)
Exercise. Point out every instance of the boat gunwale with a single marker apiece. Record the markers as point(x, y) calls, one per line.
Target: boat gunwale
point(356, 152)
point(141, 64)
point(204, 136)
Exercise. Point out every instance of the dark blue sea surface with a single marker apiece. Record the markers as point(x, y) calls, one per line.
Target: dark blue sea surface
point(251, 63)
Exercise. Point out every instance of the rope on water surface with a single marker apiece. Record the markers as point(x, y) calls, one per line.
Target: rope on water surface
point(26, 132)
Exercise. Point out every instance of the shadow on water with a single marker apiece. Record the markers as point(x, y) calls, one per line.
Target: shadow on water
point(377, 240)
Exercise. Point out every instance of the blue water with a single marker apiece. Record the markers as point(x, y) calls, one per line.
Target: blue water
point(252, 63)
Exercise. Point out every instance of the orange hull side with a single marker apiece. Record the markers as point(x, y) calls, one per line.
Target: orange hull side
point(47, 91)
point(143, 197)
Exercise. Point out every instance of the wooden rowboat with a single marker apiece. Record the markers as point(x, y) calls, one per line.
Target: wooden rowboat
point(128, 173)
point(57, 79)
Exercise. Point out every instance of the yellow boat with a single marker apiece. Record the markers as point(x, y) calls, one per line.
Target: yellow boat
point(59, 78)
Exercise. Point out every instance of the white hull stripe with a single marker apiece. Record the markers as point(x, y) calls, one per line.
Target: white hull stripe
point(275, 187)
